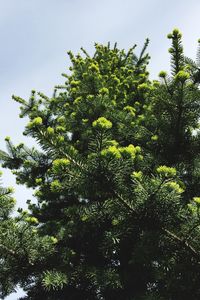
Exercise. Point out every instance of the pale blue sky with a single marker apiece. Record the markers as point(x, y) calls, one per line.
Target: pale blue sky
point(36, 34)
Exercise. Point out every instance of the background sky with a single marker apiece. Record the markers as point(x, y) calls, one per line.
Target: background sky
point(35, 36)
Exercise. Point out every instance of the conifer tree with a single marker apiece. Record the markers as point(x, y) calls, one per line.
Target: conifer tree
point(21, 248)
point(116, 177)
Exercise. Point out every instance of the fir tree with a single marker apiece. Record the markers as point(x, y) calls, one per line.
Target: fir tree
point(21, 248)
point(116, 176)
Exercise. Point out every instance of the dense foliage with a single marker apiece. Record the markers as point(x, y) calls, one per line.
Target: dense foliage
point(22, 249)
point(116, 173)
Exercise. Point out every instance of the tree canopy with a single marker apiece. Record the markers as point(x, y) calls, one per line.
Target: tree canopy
point(116, 174)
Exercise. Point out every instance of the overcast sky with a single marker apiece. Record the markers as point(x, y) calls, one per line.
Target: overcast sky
point(35, 36)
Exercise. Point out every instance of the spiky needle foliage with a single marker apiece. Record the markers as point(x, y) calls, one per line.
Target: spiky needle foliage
point(21, 246)
point(116, 179)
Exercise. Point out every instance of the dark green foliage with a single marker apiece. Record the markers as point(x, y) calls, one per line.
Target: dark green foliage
point(22, 249)
point(116, 176)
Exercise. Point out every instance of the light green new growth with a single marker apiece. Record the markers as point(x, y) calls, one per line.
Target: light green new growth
point(102, 123)
point(166, 171)
point(111, 152)
point(162, 74)
point(104, 91)
point(137, 175)
point(94, 67)
point(182, 76)
point(35, 122)
point(56, 186)
point(197, 200)
point(175, 186)
point(50, 130)
point(129, 151)
point(154, 137)
point(60, 163)
point(32, 220)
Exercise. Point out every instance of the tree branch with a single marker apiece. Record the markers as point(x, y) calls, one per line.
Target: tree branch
point(182, 241)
